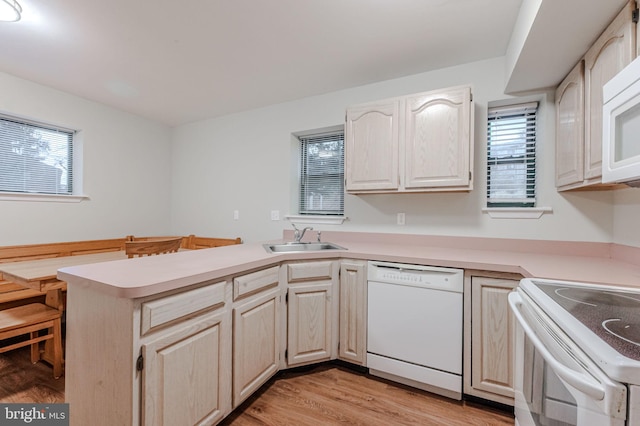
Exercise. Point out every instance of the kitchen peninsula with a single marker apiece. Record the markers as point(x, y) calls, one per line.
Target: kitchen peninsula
point(157, 337)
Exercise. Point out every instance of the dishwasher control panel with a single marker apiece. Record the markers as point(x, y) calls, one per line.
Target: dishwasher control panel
point(449, 279)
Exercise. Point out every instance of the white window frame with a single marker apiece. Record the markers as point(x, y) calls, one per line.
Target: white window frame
point(76, 194)
point(504, 138)
point(535, 212)
point(304, 209)
point(302, 217)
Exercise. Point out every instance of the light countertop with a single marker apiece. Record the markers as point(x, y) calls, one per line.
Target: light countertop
point(572, 261)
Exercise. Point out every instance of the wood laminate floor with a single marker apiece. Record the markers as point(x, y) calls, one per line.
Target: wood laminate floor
point(333, 395)
point(21, 381)
point(326, 394)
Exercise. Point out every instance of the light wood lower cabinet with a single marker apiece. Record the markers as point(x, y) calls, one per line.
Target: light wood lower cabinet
point(158, 360)
point(184, 379)
point(256, 330)
point(489, 336)
point(352, 345)
point(189, 356)
point(311, 312)
point(256, 343)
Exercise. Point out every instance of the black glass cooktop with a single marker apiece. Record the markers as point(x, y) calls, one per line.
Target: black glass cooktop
point(612, 315)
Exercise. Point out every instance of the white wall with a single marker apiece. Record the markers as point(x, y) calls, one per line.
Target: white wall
point(242, 162)
point(135, 176)
point(126, 171)
point(626, 219)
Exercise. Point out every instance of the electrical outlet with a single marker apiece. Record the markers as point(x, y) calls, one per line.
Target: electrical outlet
point(275, 214)
point(236, 215)
point(401, 219)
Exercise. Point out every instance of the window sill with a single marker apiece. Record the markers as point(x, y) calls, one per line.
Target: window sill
point(516, 212)
point(21, 196)
point(322, 220)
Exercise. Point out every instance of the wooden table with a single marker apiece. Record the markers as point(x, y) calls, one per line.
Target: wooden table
point(41, 274)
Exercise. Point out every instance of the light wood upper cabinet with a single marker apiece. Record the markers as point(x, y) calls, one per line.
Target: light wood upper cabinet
point(353, 312)
point(489, 340)
point(312, 312)
point(437, 139)
point(570, 128)
point(186, 374)
point(612, 51)
point(417, 143)
point(372, 147)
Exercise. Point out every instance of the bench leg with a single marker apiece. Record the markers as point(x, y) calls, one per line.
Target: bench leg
point(57, 349)
point(53, 352)
point(35, 348)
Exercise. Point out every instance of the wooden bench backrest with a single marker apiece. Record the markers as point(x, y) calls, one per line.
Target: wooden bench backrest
point(44, 251)
point(194, 243)
point(151, 246)
point(73, 248)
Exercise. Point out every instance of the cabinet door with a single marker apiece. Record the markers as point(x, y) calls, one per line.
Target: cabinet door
point(186, 374)
point(309, 323)
point(371, 147)
point(613, 50)
point(438, 139)
point(570, 128)
point(492, 337)
point(256, 343)
point(353, 312)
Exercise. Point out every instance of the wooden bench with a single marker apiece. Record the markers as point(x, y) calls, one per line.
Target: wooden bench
point(31, 320)
point(13, 294)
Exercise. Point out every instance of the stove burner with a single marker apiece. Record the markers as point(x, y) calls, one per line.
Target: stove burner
point(599, 297)
point(613, 315)
point(623, 330)
point(560, 292)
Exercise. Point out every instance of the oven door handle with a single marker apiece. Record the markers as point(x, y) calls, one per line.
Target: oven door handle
point(585, 383)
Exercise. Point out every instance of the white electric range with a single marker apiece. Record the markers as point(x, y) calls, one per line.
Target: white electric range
point(577, 354)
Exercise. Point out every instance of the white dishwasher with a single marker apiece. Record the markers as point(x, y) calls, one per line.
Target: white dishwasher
point(414, 326)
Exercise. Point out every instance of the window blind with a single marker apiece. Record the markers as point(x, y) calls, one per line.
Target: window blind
point(511, 155)
point(322, 174)
point(35, 158)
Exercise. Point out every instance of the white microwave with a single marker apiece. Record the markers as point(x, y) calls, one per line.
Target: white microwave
point(621, 127)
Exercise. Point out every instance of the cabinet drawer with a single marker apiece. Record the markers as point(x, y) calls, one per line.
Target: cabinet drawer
point(254, 282)
point(309, 270)
point(156, 313)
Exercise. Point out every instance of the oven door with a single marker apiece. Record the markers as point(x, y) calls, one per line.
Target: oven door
point(555, 383)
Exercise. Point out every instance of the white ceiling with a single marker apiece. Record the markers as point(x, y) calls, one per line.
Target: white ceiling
point(179, 61)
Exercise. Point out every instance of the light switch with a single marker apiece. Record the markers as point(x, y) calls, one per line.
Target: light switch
point(275, 214)
point(236, 214)
point(400, 218)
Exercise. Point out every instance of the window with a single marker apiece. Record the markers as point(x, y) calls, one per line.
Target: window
point(511, 156)
point(35, 158)
point(322, 174)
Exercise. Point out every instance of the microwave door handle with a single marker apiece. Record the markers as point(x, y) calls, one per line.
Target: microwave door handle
point(583, 382)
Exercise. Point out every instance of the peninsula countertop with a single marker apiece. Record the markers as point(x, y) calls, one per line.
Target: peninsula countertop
point(572, 261)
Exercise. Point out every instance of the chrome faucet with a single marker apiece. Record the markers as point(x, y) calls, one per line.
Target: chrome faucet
point(298, 234)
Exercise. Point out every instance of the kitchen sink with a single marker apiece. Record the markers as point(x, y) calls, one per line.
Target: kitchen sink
point(298, 247)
